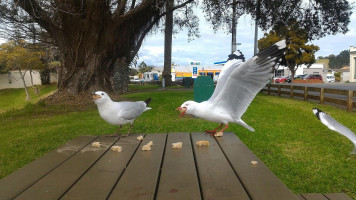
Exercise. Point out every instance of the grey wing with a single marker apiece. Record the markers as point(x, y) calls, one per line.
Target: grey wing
point(131, 110)
point(224, 75)
point(247, 80)
point(334, 125)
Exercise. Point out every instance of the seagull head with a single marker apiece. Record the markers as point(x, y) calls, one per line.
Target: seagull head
point(186, 108)
point(100, 97)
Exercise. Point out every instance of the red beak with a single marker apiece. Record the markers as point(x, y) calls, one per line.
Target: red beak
point(182, 111)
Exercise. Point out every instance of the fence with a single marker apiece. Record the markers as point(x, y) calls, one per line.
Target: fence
point(323, 95)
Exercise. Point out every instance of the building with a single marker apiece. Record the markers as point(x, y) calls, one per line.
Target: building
point(179, 72)
point(352, 64)
point(12, 79)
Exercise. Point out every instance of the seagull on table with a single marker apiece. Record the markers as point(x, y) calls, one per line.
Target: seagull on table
point(237, 86)
point(119, 113)
point(334, 125)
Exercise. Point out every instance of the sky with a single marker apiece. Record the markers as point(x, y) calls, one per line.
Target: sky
point(213, 47)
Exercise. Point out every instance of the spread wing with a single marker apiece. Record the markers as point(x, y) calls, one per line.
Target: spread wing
point(131, 110)
point(334, 125)
point(224, 75)
point(247, 80)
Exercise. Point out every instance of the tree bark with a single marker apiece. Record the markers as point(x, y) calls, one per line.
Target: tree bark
point(168, 32)
point(24, 84)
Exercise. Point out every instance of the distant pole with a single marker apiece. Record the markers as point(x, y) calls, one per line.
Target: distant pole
point(233, 27)
point(256, 26)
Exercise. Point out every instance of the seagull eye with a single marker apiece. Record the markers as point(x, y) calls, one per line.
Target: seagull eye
point(102, 94)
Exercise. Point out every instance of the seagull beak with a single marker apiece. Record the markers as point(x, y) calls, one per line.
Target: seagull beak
point(182, 111)
point(95, 96)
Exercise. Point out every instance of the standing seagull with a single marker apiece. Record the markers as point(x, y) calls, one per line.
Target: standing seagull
point(237, 86)
point(119, 113)
point(334, 125)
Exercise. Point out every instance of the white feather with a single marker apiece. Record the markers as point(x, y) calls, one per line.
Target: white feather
point(334, 125)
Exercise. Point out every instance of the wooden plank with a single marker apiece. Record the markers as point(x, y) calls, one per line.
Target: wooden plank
point(53, 185)
point(349, 100)
point(314, 196)
point(297, 94)
point(313, 89)
point(217, 179)
point(298, 88)
point(336, 101)
point(15, 183)
point(285, 93)
point(313, 97)
point(179, 179)
point(300, 197)
point(140, 179)
point(335, 91)
point(337, 196)
point(98, 182)
point(258, 180)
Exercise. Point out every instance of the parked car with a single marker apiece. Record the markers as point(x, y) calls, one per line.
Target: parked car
point(301, 76)
point(330, 78)
point(281, 79)
point(313, 77)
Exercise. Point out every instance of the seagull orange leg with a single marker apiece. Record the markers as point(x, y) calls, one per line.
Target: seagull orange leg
point(214, 130)
point(226, 126)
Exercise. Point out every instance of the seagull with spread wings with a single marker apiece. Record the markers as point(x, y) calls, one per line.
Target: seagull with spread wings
point(237, 86)
point(334, 125)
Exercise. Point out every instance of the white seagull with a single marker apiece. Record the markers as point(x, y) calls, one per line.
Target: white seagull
point(119, 113)
point(237, 86)
point(334, 125)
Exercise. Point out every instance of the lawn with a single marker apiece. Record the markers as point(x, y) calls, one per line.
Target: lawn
point(289, 139)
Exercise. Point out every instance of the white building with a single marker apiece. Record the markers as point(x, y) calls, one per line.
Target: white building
point(352, 64)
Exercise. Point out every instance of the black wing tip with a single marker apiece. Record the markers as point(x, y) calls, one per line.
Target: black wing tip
point(236, 55)
point(274, 52)
point(317, 112)
point(147, 101)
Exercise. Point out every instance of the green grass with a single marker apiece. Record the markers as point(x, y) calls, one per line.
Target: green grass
point(16, 98)
point(289, 139)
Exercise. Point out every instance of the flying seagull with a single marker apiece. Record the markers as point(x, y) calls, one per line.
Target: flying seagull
point(334, 125)
point(119, 113)
point(237, 86)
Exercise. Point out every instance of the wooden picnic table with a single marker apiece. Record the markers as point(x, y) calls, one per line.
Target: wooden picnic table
point(222, 170)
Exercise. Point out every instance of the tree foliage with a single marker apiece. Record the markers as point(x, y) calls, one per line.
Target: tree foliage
point(97, 39)
point(17, 56)
point(340, 60)
point(298, 51)
point(317, 17)
point(143, 67)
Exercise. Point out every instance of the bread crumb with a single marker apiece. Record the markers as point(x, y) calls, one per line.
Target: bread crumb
point(219, 134)
point(202, 143)
point(140, 137)
point(146, 147)
point(96, 144)
point(177, 145)
point(254, 162)
point(116, 148)
point(150, 143)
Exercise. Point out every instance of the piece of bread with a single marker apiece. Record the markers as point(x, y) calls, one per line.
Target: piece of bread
point(254, 162)
point(96, 144)
point(202, 143)
point(219, 134)
point(177, 145)
point(146, 147)
point(116, 148)
point(150, 143)
point(140, 137)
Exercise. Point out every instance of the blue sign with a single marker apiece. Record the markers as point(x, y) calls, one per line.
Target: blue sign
point(195, 72)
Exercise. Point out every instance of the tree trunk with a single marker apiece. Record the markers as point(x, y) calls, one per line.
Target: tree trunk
point(168, 32)
point(233, 27)
point(24, 84)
